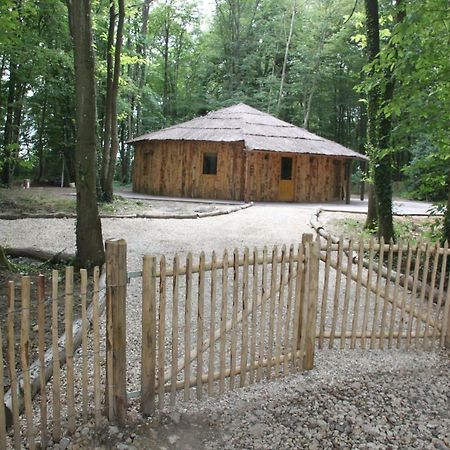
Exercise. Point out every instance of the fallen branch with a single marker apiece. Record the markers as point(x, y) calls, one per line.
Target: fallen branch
point(39, 255)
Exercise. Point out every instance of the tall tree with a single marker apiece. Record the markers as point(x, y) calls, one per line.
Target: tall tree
point(89, 239)
point(111, 136)
point(379, 129)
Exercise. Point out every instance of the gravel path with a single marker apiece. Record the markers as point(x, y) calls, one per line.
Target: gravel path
point(352, 399)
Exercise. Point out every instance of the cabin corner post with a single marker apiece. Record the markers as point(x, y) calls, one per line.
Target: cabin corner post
point(116, 292)
point(246, 193)
point(348, 181)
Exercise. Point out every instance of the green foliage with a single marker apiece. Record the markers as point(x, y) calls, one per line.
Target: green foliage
point(427, 172)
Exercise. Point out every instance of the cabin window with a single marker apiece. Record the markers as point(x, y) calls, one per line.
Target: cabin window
point(210, 164)
point(286, 168)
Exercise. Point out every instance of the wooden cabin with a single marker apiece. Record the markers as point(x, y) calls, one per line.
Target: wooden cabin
point(240, 153)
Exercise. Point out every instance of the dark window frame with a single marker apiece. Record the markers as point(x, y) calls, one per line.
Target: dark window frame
point(286, 166)
point(209, 166)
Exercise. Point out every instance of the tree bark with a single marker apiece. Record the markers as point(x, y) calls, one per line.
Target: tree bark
point(447, 214)
point(286, 53)
point(108, 100)
point(114, 149)
point(8, 133)
point(373, 99)
point(89, 239)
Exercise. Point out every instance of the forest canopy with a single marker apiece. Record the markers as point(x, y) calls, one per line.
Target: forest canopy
point(303, 61)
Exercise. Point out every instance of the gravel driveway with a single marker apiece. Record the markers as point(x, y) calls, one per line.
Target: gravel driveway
point(352, 399)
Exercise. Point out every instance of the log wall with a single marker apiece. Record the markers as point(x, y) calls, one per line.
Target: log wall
point(174, 168)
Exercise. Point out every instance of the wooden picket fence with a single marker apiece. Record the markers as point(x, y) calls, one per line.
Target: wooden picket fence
point(255, 320)
point(377, 295)
point(214, 325)
point(40, 327)
point(208, 325)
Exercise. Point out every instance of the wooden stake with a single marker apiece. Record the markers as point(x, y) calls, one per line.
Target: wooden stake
point(12, 365)
point(187, 326)
point(25, 358)
point(337, 289)
point(386, 295)
point(254, 312)
point(441, 284)
point(280, 311)
point(357, 294)
point(367, 299)
point(2, 399)
point(148, 351)
point(288, 308)
point(347, 293)
point(431, 296)
point(56, 385)
point(69, 349)
point(233, 361)
point(116, 294)
point(262, 323)
point(245, 313)
point(311, 318)
point(200, 313)
point(413, 296)
point(404, 295)
point(84, 341)
point(377, 295)
point(212, 327)
point(223, 321)
point(96, 344)
point(273, 282)
point(422, 293)
point(41, 351)
point(396, 288)
point(298, 306)
point(174, 371)
point(161, 331)
point(323, 307)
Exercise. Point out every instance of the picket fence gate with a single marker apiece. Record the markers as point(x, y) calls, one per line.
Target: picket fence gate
point(208, 325)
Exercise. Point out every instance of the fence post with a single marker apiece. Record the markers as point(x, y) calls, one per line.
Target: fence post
point(302, 310)
point(312, 299)
point(116, 292)
point(148, 357)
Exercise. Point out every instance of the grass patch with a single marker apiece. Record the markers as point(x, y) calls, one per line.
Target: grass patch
point(405, 228)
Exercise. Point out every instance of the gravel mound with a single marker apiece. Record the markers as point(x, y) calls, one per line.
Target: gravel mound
point(352, 399)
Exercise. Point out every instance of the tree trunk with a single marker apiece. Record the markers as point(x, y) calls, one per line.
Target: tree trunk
point(108, 187)
point(373, 99)
point(40, 145)
point(9, 125)
point(89, 239)
point(286, 53)
point(108, 101)
point(447, 214)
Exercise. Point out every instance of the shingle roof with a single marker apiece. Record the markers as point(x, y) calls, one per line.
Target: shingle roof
point(258, 131)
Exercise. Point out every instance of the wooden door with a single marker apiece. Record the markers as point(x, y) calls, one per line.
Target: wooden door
point(286, 187)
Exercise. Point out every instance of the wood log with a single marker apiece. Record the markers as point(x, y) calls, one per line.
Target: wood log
point(39, 255)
